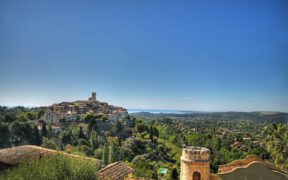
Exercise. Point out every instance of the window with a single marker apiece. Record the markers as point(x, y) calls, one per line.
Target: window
point(196, 176)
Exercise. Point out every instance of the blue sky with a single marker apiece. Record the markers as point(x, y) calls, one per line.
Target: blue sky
point(188, 55)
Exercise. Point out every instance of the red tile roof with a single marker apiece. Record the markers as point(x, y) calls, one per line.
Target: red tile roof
point(115, 171)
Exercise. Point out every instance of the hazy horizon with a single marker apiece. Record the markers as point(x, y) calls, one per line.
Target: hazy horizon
point(132, 110)
point(202, 56)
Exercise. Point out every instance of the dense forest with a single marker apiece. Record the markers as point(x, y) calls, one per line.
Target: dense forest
point(148, 142)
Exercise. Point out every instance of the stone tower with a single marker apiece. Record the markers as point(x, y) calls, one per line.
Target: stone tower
point(195, 163)
point(93, 97)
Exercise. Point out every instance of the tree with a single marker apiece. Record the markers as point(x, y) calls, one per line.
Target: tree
point(141, 127)
point(31, 115)
point(276, 143)
point(133, 122)
point(37, 138)
point(174, 174)
point(118, 128)
point(44, 131)
point(10, 117)
point(83, 142)
point(156, 132)
point(112, 152)
point(105, 154)
point(20, 133)
point(142, 166)
point(22, 118)
point(5, 135)
point(104, 118)
point(50, 131)
point(155, 175)
point(66, 137)
point(93, 140)
point(98, 153)
point(81, 134)
point(92, 125)
point(151, 131)
point(84, 149)
point(89, 117)
point(40, 113)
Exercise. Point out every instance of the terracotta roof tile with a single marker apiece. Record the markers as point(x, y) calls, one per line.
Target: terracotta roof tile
point(114, 171)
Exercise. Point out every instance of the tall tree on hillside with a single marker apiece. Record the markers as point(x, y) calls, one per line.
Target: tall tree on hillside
point(276, 143)
point(92, 125)
point(105, 154)
point(151, 133)
point(40, 113)
point(156, 132)
point(89, 117)
point(10, 117)
point(174, 174)
point(37, 138)
point(93, 140)
point(112, 153)
point(66, 137)
point(20, 133)
point(118, 128)
point(44, 131)
point(81, 134)
point(5, 135)
point(155, 175)
point(50, 131)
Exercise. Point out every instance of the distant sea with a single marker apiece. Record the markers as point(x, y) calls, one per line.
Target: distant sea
point(157, 111)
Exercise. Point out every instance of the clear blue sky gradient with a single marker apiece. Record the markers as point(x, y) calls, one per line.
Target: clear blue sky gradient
point(188, 55)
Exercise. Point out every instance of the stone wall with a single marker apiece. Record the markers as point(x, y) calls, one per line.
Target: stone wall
point(195, 159)
point(188, 168)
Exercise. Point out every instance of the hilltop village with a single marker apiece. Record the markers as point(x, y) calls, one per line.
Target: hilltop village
point(75, 111)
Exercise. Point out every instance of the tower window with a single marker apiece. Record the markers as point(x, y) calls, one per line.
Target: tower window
point(196, 176)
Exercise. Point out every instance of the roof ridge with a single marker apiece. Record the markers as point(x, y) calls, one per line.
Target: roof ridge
point(244, 163)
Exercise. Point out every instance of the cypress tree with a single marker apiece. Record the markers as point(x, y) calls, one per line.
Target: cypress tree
point(50, 132)
point(151, 133)
point(105, 154)
point(174, 174)
point(93, 140)
point(37, 139)
point(118, 128)
point(156, 132)
point(81, 134)
point(113, 153)
point(44, 131)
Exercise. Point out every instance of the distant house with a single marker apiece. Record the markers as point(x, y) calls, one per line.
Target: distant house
point(112, 117)
point(247, 139)
point(51, 117)
point(56, 129)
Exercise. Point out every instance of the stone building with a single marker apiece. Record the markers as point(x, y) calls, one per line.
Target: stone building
point(92, 99)
point(195, 163)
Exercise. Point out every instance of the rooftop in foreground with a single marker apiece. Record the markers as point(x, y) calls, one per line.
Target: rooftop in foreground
point(117, 170)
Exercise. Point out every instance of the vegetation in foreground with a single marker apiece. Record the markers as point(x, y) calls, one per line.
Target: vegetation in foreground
point(53, 167)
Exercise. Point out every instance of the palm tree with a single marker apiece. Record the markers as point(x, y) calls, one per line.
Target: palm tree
point(276, 143)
